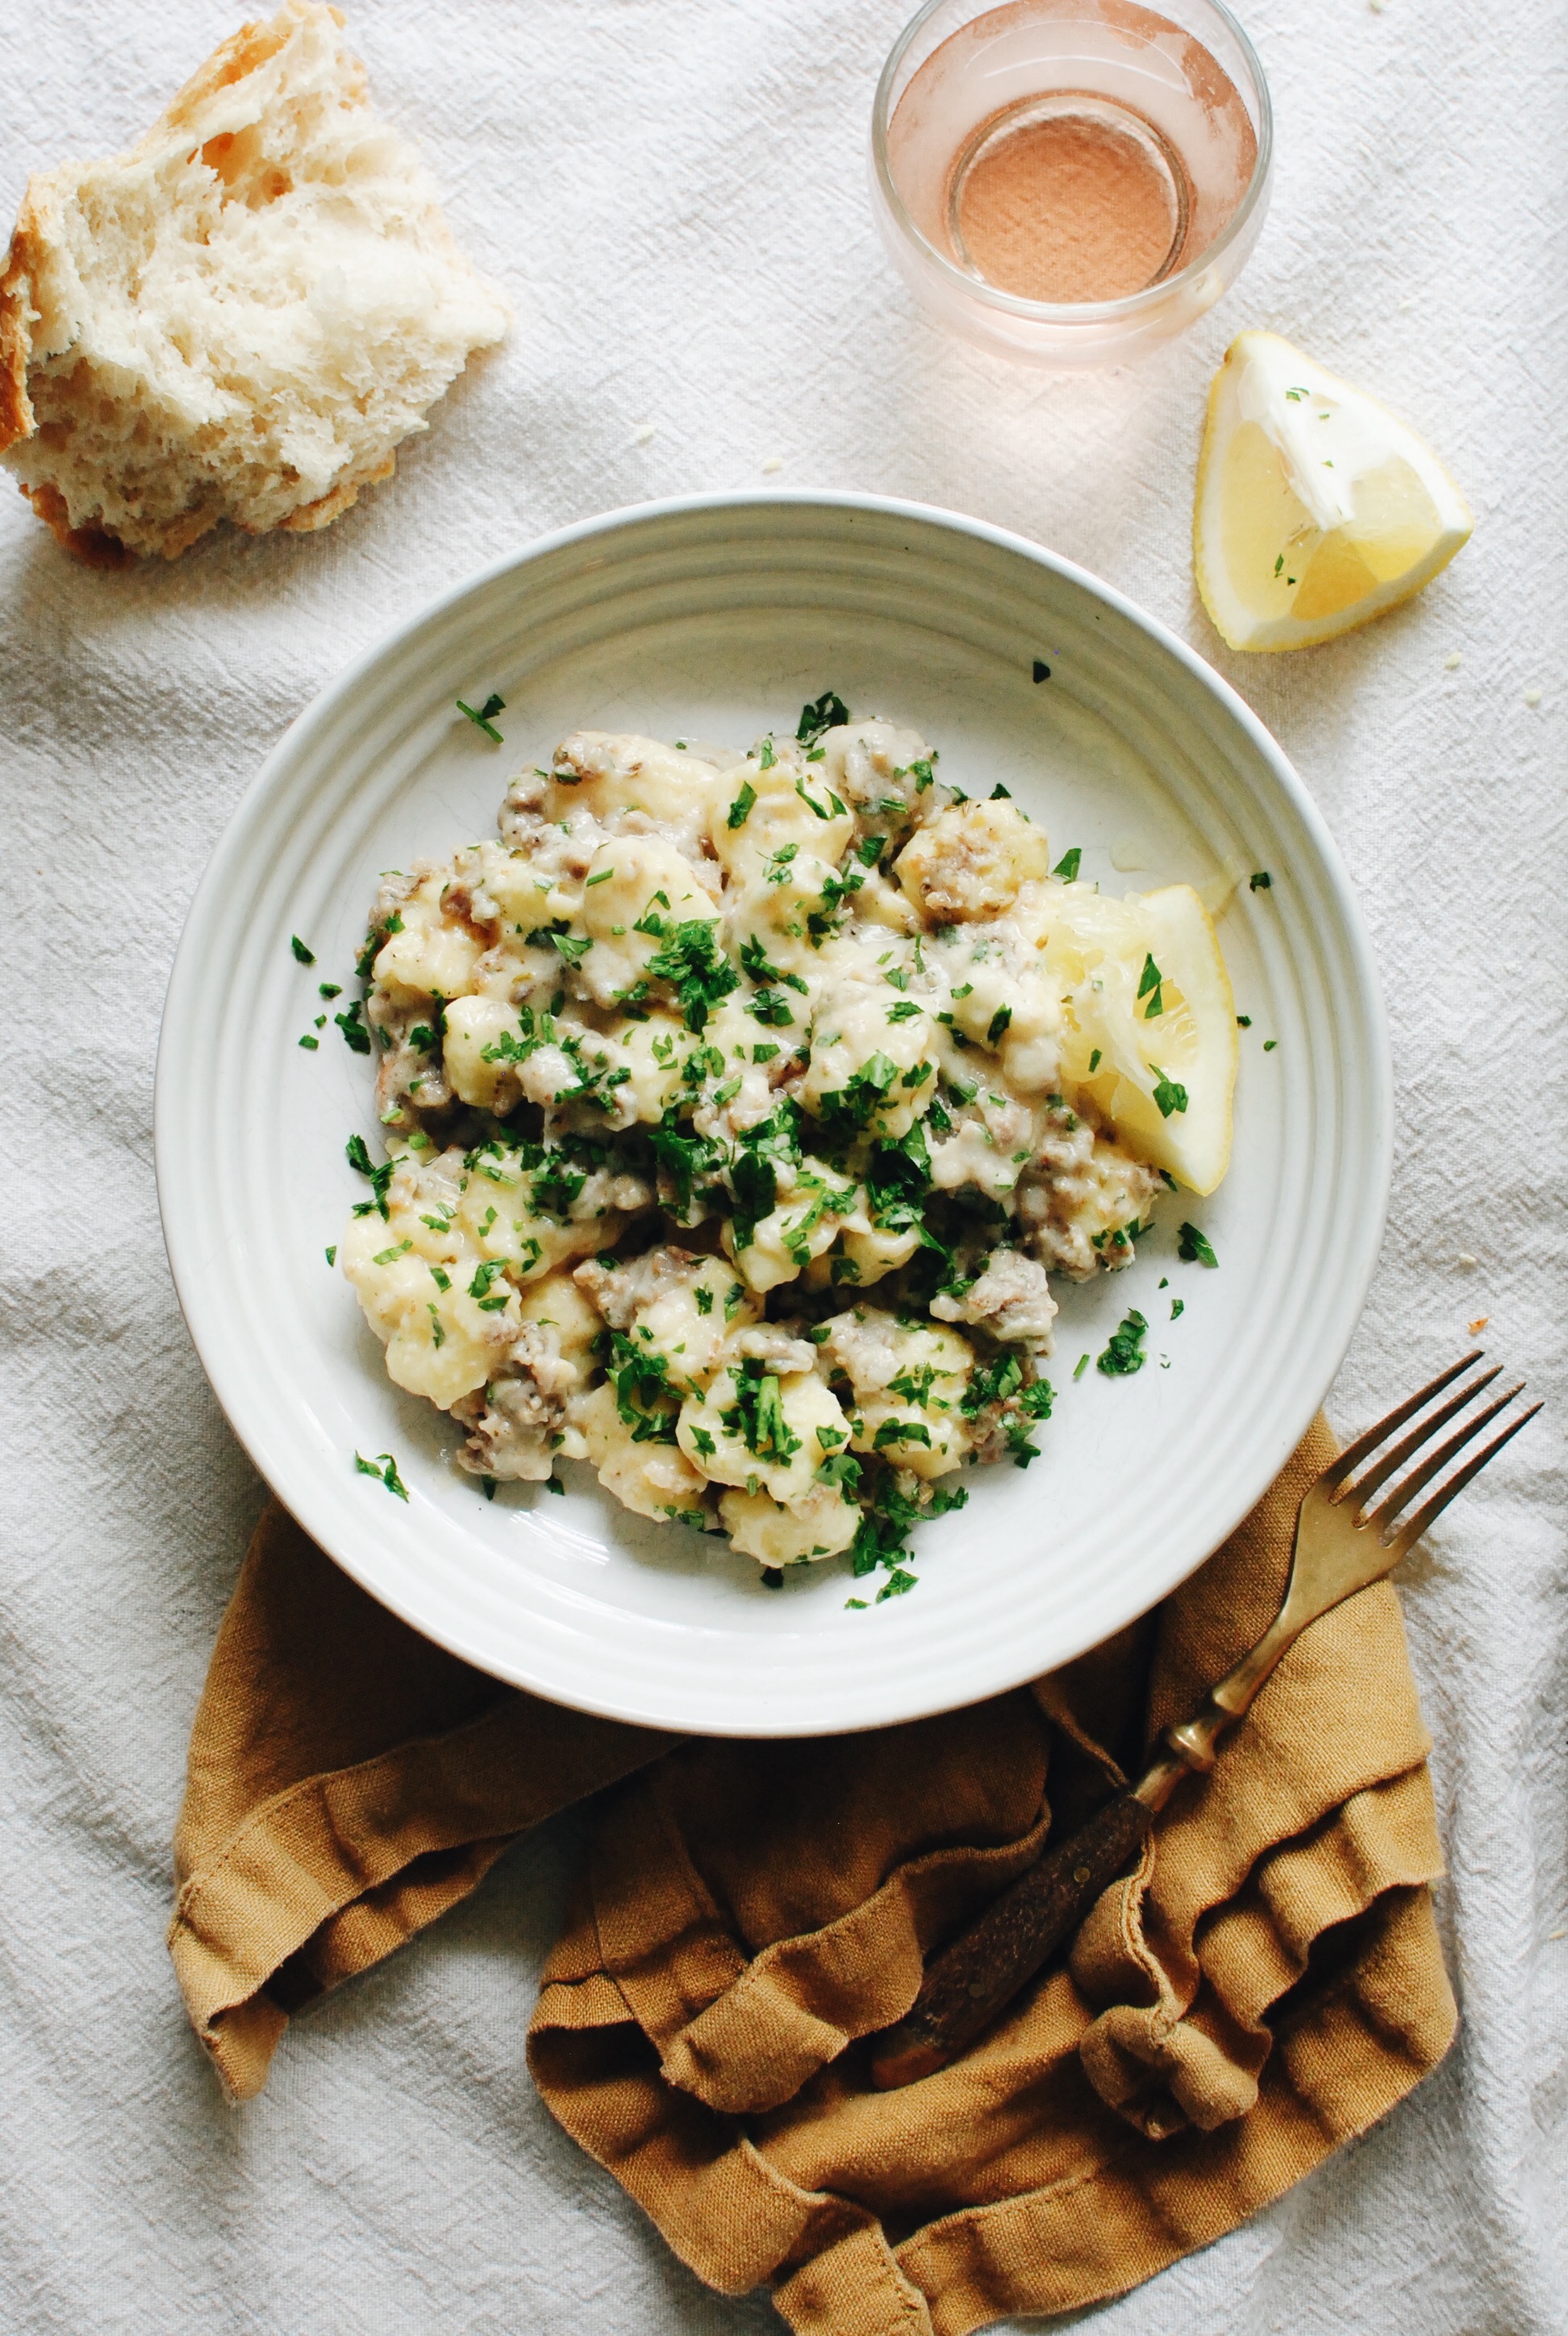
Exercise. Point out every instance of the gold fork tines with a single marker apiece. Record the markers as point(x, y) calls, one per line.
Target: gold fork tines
point(1357, 1495)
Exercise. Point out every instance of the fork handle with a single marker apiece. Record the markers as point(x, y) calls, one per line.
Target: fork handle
point(971, 1981)
point(975, 1978)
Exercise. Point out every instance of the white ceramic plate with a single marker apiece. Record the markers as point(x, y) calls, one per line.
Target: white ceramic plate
point(715, 619)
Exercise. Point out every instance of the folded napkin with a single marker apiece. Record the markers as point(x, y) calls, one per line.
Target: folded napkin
point(1263, 1986)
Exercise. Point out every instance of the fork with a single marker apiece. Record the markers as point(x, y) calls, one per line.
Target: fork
point(1342, 1544)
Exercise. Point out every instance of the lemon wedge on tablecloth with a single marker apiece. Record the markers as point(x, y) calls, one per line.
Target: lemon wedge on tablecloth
point(1149, 1024)
point(1316, 508)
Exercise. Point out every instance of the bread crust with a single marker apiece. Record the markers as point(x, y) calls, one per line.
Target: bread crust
point(16, 416)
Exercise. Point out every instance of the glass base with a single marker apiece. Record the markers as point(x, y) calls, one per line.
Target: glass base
point(1068, 196)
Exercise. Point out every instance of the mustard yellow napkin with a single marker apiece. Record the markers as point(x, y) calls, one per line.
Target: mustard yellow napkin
point(1265, 1985)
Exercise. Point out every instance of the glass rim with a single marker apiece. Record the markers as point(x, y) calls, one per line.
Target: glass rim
point(1130, 304)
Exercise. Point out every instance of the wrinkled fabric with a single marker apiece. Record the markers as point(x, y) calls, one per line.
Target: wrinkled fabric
point(748, 1912)
point(673, 192)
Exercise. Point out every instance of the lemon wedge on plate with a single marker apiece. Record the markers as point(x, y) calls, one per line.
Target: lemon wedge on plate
point(1149, 1024)
point(1316, 508)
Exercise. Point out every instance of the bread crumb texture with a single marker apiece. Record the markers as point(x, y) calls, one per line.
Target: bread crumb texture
point(242, 316)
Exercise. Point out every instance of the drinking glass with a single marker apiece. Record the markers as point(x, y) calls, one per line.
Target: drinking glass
point(1070, 182)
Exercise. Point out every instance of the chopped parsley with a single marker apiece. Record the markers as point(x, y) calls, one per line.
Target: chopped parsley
point(483, 717)
point(1124, 1353)
point(754, 961)
point(359, 1159)
point(757, 1413)
point(897, 1582)
point(1169, 1096)
point(1259, 880)
point(828, 712)
point(1000, 1020)
point(695, 969)
point(305, 956)
point(312, 1046)
point(740, 810)
point(1042, 670)
point(1149, 982)
point(1243, 1021)
point(602, 878)
point(354, 1032)
point(1080, 1367)
point(1178, 1308)
point(331, 1254)
point(1095, 1060)
point(384, 1468)
point(904, 1011)
point(1193, 1247)
point(1270, 1044)
point(1067, 866)
point(489, 1301)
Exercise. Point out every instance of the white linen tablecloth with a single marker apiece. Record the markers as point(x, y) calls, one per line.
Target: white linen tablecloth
point(674, 191)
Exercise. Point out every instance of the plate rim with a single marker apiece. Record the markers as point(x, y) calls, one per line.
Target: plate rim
point(321, 709)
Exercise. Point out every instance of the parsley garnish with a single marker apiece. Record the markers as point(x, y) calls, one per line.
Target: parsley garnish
point(904, 1011)
point(1243, 1021)
point(1094, 1062)
point(1169, 1096)
point(1178, 1308)
point(897, 1582)
point(1124, 1355)
point(757, 1415)
point(384, 1468)
point(999, 1022)
point(1259, 880)
point(695, 969)
point(828, 712)
point(354, 1031)
point(1193, 1248)
point(1067, 867)
point(305, 956)
point(754, 961)
point(602, 878)
point(770, 1006)
point(741, 808)
point(483, 718)
point(1042, 670)
point(1149, 982)
point(331, 1254)
point(358, 1158)
point(310, 1045)
point(1080, 1367)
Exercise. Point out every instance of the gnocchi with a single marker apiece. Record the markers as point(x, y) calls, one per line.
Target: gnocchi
point(738, 1107)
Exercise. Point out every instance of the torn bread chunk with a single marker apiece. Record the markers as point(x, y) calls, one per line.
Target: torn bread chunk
point(242, 316)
